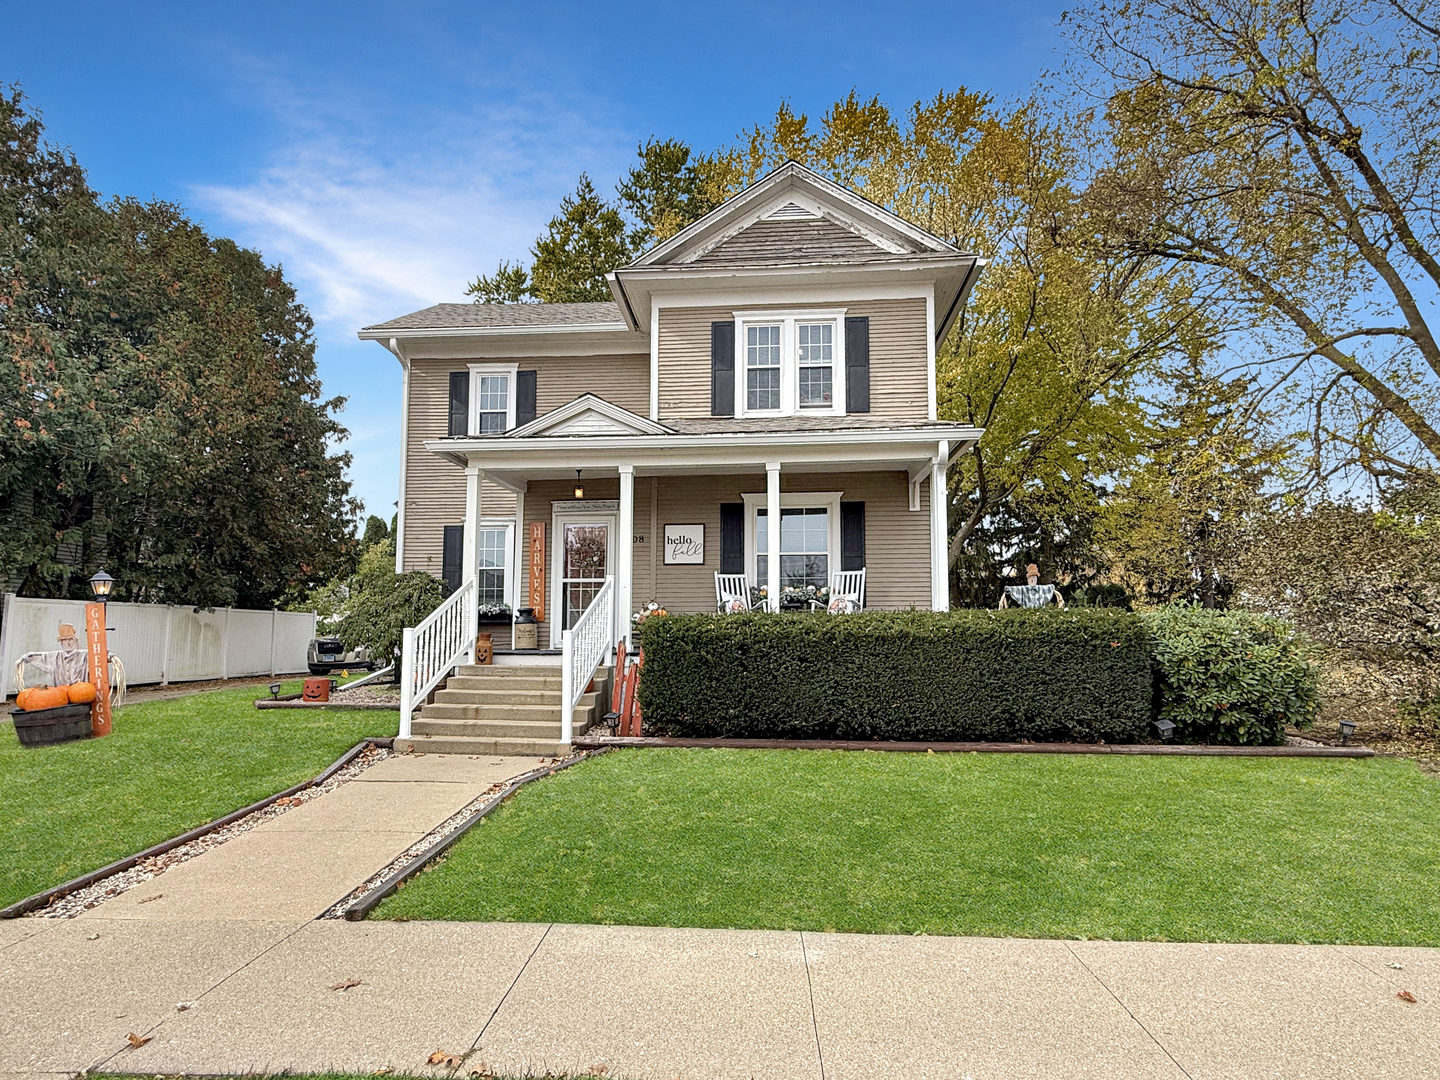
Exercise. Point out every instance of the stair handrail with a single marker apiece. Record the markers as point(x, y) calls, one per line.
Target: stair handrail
point(429, 650)
point(583, 648)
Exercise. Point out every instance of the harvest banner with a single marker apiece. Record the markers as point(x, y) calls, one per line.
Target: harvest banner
point(99, 656)
point(537, 569)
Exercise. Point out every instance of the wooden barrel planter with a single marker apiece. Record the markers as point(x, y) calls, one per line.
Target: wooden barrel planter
point(46, 727)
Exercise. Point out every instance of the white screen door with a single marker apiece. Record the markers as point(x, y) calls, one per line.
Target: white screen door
point(585, 555)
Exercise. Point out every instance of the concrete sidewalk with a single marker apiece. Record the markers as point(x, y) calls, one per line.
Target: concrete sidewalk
point(705, 1004)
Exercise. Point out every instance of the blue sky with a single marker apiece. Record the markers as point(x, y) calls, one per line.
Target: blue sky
point(387, 153)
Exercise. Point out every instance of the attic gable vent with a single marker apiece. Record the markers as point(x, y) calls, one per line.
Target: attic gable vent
point(791, 212)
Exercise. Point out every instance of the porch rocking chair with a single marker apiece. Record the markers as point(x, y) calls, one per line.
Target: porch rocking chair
point(847, 593)
point(732, 594)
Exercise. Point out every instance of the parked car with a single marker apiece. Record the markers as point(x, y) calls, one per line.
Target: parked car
point(327, 654)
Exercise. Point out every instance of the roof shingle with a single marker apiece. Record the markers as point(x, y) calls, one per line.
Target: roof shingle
point(482, 316)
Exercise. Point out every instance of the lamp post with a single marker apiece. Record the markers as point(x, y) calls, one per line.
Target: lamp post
point(101, 585)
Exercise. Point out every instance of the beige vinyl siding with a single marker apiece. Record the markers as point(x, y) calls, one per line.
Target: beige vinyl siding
point(898, 357)
point(897, 539)
point(435, 488)
point(620, 380)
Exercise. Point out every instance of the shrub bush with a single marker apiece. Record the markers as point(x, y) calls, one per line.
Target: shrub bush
point(1230, 676)
point(958, 676)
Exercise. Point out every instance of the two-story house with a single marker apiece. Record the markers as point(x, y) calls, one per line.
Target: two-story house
point(759, 398)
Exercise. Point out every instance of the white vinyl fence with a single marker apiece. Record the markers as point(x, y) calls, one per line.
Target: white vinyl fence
point(160, 643)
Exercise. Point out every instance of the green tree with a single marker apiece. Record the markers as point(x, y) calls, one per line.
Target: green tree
point(671, 187)
point(375, 604)
point(582, 243)
point(1284, 152)
point(510, 284)
point(376, 531)
point(160, 413)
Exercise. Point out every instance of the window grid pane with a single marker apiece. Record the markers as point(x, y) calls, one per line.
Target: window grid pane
point(762, 367)
point(816, 343)
point(804, 547)
point(490, 566)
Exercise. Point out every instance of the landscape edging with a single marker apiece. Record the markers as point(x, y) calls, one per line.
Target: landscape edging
point(1133, 749)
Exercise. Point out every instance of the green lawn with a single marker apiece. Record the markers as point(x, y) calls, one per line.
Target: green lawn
point(1197, 849)
point(167, 766)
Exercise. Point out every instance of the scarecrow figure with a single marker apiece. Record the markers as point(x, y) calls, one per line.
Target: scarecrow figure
point(69, 664)
point(1033, 594)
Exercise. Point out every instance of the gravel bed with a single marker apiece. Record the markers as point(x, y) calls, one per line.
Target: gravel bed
point(374, 694)
point(434, 836)
point(67, 907)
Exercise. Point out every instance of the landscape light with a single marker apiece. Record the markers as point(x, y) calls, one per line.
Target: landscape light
point(101, 584)
point(1165, 729)
point(274, 690)
point(1347, 728)
point(579, 487)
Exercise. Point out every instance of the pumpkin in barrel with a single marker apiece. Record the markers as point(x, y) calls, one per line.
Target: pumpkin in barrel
point(42, 697)
point(81, 693)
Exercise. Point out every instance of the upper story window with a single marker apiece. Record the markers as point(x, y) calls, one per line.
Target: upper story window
point(788, 363)
point(492, 398)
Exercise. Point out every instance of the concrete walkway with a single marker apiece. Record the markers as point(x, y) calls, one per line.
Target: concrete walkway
point(295, 866)
point(705, 1004)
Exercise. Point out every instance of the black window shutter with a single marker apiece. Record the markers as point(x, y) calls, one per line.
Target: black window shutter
point(722, 370)
point(852, 536)
point(459, 403)
point(857, 365)
point(732, 536)
point(524, 397)
point(451, 555)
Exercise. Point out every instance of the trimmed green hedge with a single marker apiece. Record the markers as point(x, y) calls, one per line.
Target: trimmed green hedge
point(959, 676)
point(1230, 676)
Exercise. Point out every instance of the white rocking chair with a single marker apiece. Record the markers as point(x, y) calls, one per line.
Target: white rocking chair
point(728, 589)
point(846, 585)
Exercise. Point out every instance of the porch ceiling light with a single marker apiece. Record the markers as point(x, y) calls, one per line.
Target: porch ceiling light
point(579, 487)
point(1165, 729)
point(1347, 728)
point(101, 584)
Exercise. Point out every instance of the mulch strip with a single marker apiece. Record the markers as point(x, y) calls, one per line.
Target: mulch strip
point(1158, 750)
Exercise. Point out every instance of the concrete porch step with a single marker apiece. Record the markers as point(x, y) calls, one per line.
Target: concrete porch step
point(511, 671)
point(490, 729)
point(516, 682)
point(485, 695)
point(447, 744)
point(460, 710)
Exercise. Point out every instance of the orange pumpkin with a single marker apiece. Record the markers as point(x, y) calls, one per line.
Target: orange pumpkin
point(47, 697)
point(81, 693)
point(23, 696)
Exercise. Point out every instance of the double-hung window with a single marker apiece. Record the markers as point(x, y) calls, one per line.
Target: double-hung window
point(492, 398)
point(762, 368)
point(789, 363)
point(492, 544)
point(809, 538)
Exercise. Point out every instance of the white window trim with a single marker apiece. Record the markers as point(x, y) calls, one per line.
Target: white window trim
point(477, 370)
point(508, 524)
point(790, 360)
point(791, 500)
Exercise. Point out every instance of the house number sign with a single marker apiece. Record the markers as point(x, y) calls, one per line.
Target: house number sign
point(684, 545)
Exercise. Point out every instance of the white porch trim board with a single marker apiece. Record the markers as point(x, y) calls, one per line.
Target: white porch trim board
point(940, 531)
point(625, 553)
point(772, 534)
point(470, 548)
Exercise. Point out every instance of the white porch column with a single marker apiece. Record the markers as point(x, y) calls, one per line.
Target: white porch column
point(470, 551)
point(519, 591)
point(625, 552)
point(940, 531)
point(772, 533)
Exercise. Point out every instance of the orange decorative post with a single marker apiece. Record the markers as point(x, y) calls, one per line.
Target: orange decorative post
point(99, 657)
point(536, 595)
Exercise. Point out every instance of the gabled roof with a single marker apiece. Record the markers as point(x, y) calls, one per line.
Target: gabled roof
point(794, 227)
point(589, 415)
point(795, 201)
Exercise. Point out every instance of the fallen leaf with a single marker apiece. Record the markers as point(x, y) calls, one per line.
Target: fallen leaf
point(346, 985)
point(1406, 995)
point(182, 1006)
point(157, 896)
point(1397, 967)
point(482, 1072)
point(440, 1057)
point(137, 1041)
point(93, 937)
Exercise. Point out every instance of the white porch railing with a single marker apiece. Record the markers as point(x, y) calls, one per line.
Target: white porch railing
point(444, 638)
point(583, 648)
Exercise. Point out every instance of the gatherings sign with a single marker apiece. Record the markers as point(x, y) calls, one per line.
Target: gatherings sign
point(99, 656)
point(684, 545)
point(537, 569)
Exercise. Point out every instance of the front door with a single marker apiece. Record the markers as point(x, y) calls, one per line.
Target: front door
point(585, 544)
